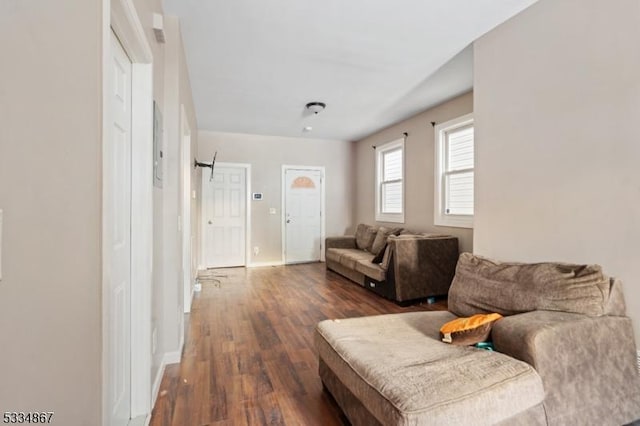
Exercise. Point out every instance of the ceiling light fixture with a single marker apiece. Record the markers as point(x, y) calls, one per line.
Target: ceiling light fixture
point(316, 107)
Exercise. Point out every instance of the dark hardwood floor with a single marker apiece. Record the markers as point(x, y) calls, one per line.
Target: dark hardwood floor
point(249, 357)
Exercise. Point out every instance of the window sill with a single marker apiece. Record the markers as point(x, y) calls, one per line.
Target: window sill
point(454, 221)
point(390, 217)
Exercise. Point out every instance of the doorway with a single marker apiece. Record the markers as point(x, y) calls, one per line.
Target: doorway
point(225, 215)
point(188, 275)
point(303, 214)
point(126, 373)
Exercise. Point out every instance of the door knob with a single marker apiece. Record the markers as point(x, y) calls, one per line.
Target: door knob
point(210, 222)
point(288, 220)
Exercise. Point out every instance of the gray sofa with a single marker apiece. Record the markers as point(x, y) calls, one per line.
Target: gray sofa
point(564, 354)
point(403, 268)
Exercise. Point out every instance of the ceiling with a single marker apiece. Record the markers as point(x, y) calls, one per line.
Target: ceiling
point(254, 64)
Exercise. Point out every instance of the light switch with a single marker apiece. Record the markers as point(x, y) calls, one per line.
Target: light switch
point(272, 210)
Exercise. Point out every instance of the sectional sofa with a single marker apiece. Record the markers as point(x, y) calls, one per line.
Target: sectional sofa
point(395, 263)
point(564, 353)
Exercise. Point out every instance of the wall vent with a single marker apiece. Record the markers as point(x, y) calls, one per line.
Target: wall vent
point(158, 27)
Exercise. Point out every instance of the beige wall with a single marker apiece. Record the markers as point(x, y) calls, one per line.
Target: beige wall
point(177, 91)
point(267, 154)
point(419, 169)
point(557, 101)
point(145, 10)
point(50, 191)
point(171, 90)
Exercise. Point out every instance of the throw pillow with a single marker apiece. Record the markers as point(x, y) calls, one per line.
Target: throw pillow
point(380, 255)
point(381, 238)
point(468, 331)
point(365, 234)
point(483, 285)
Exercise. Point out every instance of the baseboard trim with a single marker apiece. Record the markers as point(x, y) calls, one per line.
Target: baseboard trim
point(156, 389)
point(172, 357)
point(181, 346)
point(263, 264)
point(167, 359)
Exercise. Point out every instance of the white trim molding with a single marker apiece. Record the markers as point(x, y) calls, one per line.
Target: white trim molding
point(120, 17)
point(186, 167)
point(264, 264)
point(174, 357)
point(127, 26)
point(167, 359)
point(398, 144)
point(439, 216)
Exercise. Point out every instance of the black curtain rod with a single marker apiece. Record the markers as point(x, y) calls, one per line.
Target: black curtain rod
point(405, 134)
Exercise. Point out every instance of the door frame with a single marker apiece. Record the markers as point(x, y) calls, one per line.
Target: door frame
point(185, 210)
point(283, 208)
point(120, 16)
point(247, 223)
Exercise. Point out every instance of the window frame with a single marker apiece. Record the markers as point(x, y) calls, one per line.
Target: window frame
point(379, 172)
point(440, 218)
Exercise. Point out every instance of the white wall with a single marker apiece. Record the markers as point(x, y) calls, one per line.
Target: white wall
point(557, 102)
point(50, 191)
point(419, 169)
point(267, 154)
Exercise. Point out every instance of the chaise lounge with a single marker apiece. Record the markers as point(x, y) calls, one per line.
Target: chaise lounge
point(564, 353)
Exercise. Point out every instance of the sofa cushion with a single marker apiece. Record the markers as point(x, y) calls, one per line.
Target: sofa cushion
point(334, 254)
point(481, 285)
point(468, 330)
point(378, 257)
point(386, 257)
point(381, 238)
point(365, 235)
point(393, 364)
point(371, 270)
point(349, 257)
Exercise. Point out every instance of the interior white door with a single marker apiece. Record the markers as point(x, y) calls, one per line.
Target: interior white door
point(224, 218)
point(303, 215)
point(117, 178)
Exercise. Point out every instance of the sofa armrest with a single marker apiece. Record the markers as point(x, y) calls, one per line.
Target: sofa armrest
point(587, 364)
point(347, 241)
point(422, 266)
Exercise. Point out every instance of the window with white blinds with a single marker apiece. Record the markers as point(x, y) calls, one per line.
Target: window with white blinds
point(390, 182)
point(454, 172)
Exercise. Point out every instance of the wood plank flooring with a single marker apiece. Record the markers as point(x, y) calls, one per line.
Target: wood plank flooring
point(249, 357)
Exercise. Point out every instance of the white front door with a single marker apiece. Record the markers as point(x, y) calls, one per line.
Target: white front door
point(224, 216)
point(117, 234)
point(303, 215)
